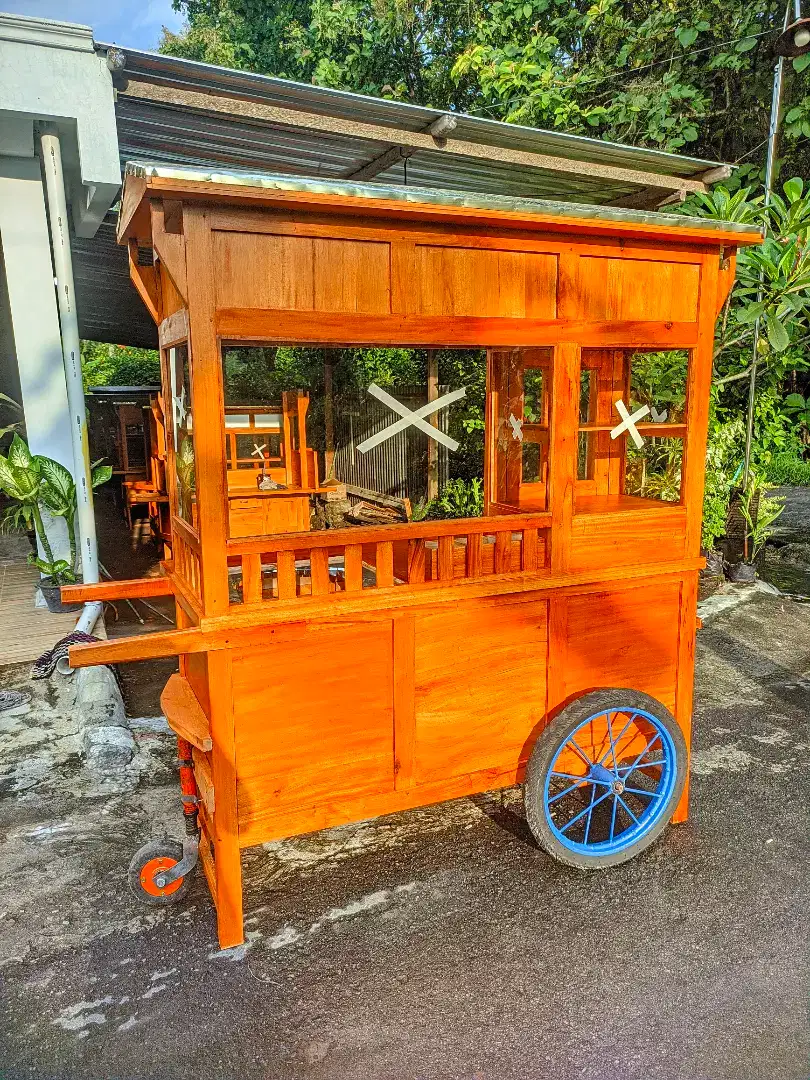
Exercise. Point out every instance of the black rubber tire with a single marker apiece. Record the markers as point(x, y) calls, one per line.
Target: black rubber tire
point(543, 754)
point(157, 849)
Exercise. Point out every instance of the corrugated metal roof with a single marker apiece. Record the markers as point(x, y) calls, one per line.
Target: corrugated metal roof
point(433, 196)
point(192, 75)
point(176, 135)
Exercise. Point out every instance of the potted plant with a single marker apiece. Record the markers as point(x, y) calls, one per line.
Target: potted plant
point(32, 481)
point(759, 513)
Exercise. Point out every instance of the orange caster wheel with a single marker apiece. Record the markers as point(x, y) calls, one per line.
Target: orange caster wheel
point(152, 874)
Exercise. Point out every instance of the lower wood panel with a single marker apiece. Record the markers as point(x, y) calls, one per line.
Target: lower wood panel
point(319, 715)
point(480, 682)
point(314, 721)
point(624, 637)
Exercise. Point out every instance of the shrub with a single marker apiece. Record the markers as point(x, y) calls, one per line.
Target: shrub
point(788, 468)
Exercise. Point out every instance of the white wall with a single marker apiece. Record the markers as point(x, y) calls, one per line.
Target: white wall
point(50, 71)
point(34, 318)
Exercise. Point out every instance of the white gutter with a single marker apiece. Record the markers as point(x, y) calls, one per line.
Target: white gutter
point(68, 318)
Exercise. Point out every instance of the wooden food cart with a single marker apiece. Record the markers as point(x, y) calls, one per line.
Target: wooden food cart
point(358, 671)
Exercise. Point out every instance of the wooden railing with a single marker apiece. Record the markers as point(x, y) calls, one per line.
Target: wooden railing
point(186, 561)
point(418, 554)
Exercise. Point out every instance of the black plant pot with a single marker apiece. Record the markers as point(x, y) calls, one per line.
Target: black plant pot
point(53, 596)
point(742, 573)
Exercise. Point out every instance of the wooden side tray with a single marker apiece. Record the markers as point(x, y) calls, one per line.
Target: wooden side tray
point(185, 714)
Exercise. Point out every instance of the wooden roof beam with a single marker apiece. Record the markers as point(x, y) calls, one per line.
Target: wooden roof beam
point(379, 164)
point(413, 140)
point(650, 198)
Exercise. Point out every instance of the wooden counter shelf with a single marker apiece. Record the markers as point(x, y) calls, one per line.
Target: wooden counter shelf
point(330, 675)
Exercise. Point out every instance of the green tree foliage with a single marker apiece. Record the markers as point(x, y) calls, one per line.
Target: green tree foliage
point(119, 365)
point(694, 76)
point(390, 48)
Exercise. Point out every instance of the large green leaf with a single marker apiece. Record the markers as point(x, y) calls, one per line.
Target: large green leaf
point(100, 475)
point(793, 189)
point(19, 454)
point(777, 334)
point(58, 490)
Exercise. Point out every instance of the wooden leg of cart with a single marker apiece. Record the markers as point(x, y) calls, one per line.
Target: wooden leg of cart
point(227, 862)
point(687, 630)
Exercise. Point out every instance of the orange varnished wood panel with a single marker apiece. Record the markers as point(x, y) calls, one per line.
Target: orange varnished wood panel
point(332, 736)
point(302, 273)
point(630, 289)
point(625, 637)
point(627, 537)
point(480, 678)
point(472, 281)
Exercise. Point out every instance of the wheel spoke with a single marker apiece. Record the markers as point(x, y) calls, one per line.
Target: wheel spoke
point(580, 751)
point(627, 808)
point(582, 813)
point(618, 738)
point(588, 779)
point(627, 769)
point(613, 817)
point(568, 790)
point(641, 791)
point(612, 750)
point(590, 815)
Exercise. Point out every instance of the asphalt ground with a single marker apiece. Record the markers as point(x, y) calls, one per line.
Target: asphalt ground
point(439, 944)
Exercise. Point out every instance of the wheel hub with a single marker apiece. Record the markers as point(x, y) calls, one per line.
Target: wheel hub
point(617, 787)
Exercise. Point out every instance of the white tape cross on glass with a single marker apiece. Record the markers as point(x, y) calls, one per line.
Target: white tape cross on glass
point(517, 427)
point(411, 418)
point(629, 422)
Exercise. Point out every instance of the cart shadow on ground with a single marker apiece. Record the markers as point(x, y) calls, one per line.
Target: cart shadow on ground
point(439, 943)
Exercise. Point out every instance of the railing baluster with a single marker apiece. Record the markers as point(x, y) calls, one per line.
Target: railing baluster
point(285, 561)
point(319, 571)
point(446, 545)
point(385, 564)
point(475, 545)
point(353, 567)
point(416, 562)
point(503, 552)
point(251, 579)
point(528, 550)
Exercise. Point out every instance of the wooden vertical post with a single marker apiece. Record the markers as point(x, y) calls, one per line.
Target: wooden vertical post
point(433, 419)
point(563, 450)
point(208, 412)
point(328, 412)
point(684, 689)
point(699, 377)
point(227, 858)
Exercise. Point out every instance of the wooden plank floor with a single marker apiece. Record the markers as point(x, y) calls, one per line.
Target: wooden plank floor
point(26, 631)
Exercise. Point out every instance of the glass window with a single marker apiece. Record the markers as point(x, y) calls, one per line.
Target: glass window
point(321, 438)
point(183, 434)
point(632, 423)
point(521, 390)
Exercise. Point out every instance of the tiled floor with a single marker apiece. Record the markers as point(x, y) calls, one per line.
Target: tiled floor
point(26, 631)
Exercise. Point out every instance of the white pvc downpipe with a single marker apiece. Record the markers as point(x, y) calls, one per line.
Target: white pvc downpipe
point(71, 352)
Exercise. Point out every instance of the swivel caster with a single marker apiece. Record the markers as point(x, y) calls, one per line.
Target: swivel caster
point(161, 871)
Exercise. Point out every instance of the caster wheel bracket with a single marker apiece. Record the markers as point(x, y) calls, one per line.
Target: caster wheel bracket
point(191, 855)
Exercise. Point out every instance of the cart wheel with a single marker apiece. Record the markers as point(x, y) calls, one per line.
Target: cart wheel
point(604, 778)
point(146, 865)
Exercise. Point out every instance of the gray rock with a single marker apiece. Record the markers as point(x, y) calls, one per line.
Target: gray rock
point(108, 749)
point(107, 743)
point(98, 699)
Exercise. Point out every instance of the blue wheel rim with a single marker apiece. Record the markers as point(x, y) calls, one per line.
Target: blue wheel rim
point(618, 790)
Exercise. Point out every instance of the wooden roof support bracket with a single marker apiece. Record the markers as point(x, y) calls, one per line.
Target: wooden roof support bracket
point(415, 140)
